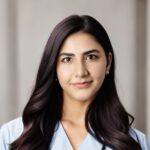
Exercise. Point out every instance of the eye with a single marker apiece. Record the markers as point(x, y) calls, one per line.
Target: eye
point(66, 60)
point(91, 57)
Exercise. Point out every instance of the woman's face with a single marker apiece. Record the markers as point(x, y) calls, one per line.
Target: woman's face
point(81, 67)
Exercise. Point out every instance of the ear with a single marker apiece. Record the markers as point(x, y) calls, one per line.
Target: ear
point(109, 60)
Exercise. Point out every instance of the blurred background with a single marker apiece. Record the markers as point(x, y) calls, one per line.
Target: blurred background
point(25, 26)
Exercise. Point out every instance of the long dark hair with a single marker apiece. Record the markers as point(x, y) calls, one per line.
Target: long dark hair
point(105, 116)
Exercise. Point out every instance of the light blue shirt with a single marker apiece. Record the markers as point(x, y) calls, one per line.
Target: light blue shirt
point(13, 129)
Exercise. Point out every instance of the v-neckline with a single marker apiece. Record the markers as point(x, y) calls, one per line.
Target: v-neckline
point(68, 140)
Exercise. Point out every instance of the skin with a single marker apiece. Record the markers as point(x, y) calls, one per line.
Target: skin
point(81, 70)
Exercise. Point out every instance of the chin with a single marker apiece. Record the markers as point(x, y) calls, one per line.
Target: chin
point(83, 99)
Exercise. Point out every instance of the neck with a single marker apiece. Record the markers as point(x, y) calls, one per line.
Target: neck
point(74, 111)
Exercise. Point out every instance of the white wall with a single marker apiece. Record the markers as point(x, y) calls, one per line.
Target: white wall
point(8, 58)
point(148, 68)
point(25, 29)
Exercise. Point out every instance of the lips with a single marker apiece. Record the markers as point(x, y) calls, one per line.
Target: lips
point(83, 84)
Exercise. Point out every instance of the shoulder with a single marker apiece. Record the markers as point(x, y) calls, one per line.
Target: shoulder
point(10, 131)
point(140, 137)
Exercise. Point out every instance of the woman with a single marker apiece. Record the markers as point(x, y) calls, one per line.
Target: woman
point(74, 104)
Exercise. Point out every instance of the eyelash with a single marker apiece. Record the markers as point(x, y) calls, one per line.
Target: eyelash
point(92, 57)
point(66, 58)
point(88, 57)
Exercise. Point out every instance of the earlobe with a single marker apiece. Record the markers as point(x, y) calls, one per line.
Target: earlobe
point(109, 60)
point(107, 72)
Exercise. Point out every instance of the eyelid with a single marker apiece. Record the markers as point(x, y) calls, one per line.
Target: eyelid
point(93, 55)
point(96, 56)
point(66, 57)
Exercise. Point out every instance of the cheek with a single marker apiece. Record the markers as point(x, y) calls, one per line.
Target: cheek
point(63, 74)
point(99, 74)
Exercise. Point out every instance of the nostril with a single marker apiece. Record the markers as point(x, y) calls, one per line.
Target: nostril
point(82, 72)
point(81, 69)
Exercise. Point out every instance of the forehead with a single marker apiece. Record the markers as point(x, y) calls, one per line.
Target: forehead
point(80, 42)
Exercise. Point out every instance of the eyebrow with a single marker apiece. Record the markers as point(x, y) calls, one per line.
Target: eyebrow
point(85, 53)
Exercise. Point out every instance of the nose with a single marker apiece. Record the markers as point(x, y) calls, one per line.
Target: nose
point(81, 70)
